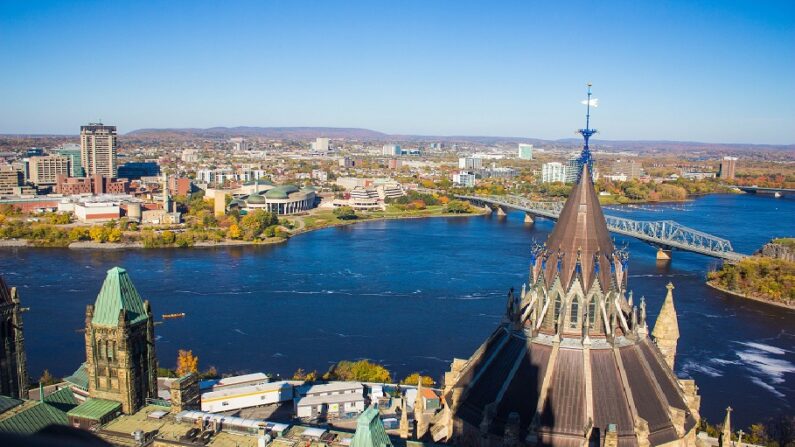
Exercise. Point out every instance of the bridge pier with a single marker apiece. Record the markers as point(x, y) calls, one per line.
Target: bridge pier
point(501, 212)
point(528, 218)
point(663, 255)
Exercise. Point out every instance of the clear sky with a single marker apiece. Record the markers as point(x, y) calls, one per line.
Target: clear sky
point(680, 70)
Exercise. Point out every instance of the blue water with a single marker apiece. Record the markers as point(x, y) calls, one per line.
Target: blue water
point(412, 294)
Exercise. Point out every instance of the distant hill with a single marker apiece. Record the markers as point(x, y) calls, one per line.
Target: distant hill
point(306, 133)
point(263, 132)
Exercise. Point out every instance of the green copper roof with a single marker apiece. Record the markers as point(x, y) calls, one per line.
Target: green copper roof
point(370, 431)
point(281, 192)
point(95, 409)
point(79, 378)
point(63, 399)
point(31, 416)
point(118, 292)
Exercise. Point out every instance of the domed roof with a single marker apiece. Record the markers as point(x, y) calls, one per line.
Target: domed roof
point(256, 199)
point(281, 192)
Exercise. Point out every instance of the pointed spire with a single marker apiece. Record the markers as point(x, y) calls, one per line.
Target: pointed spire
point(118, 298)
point(726, 432)
point(666, 328)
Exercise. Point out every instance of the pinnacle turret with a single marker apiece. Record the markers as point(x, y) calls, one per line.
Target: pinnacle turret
point(666, 328)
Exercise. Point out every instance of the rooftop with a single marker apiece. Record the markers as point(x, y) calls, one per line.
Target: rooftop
point(118, 293)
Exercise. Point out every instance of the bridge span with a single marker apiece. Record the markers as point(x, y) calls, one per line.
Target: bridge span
point(666, 235)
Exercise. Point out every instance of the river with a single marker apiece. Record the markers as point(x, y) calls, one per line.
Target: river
point(412, 294)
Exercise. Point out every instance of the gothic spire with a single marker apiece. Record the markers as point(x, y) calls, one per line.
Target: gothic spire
point(666, 328)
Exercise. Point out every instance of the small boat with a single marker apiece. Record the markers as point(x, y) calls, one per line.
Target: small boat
point(177, 315)
point(777, 195)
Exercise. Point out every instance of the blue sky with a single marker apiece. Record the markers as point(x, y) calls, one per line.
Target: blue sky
point(689, 70)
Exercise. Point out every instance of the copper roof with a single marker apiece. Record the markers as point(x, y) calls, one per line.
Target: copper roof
point(580, 234)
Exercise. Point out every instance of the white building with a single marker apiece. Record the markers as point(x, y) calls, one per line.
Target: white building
point(470, 163)
point(319, 174)
point(391, 150)
point(320, 145)
point(331, 400)
point(239, 144)
point(553, 172)
point(97, 211)
point(525, 151)
point(190, 156)
point(346, 162)
point(463, 178)
point(247, 396)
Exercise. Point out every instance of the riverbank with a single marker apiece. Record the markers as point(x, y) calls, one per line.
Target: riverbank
point(317, 224)
point(713, 285)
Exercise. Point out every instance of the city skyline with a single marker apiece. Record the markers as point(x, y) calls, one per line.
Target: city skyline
point(663, 72)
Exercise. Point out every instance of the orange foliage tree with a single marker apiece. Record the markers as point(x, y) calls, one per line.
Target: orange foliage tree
point(186, 363)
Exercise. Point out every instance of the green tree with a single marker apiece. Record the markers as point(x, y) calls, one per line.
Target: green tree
point(458, 207)
point(255, 222)
point(345, 213)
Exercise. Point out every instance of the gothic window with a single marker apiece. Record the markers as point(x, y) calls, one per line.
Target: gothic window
point(575, 311)
point(101, 349)
point(592, 312)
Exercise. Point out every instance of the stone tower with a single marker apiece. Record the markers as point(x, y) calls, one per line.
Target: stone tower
point(13, 369)
point(120, 349)
point(666, 329)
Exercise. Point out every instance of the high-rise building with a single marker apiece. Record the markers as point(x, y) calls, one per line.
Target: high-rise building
point(98, 149)
point(73, 152)
point(120, 344)
point(553, 172)
point(12, 183)
point(391, 150)
point(320, 145)
point(525, 151)
point(470, 163)
point(13, 369)
point(629, 168)
point(239, 144)
point(727, 167)
point(45, 170)
point(573, 168)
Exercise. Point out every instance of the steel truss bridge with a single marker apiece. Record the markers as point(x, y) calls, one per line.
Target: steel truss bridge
point(664, 234)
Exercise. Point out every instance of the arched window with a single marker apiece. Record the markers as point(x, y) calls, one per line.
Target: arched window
point(575, 313)
point(592, 312)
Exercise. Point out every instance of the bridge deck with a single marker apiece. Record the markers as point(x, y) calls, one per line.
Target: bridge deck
point(666, 234)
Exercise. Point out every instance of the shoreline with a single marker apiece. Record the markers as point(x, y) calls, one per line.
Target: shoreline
point(750, 297)
point(91, 245)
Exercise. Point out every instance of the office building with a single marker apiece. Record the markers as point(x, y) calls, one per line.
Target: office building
point(190, 156)
point(120, 344)
point(98, 149)
point(465, 179)
point(12, 183)
point(727, 167)
point(630, 168)
point(525, 151)
point(553, 172)
point(391, 150)
point(45, 170)
point(136, 170)
point(470, 163)
point(72, 151)
point(320, 145)
point(347, 162)
point(239, 144)
point(573, 168)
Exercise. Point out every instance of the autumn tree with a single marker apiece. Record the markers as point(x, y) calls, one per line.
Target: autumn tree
point(186, 362)
point(47, 378)
point(345, 213)
point(414, 379)
point(360, 371)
